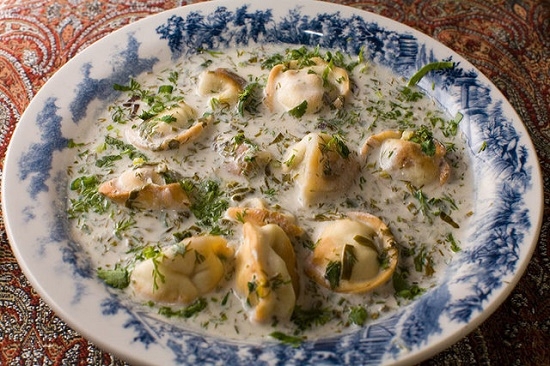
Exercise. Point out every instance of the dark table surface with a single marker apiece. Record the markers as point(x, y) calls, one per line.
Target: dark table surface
point(507, 40)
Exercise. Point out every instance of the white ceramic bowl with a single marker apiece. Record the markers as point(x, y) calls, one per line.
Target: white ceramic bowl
point(508, 197)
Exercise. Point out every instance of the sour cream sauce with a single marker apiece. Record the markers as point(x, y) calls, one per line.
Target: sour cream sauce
point(426, 242)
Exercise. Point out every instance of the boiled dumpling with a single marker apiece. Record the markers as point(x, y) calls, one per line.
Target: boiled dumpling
point(169, 129)
point(145, 188)
point(404, 157)
point(320, 164)
point(182, 272)
point(266, 278)
point(242, 156)
point(221, 84)
point(354, 254)
point(289, 85)
point(256, 212)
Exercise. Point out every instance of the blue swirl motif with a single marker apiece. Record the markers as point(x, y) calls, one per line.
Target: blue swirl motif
point(36, 164)
point(125, 65)
point(501, 229)
point(224, 28)
point(113, 306)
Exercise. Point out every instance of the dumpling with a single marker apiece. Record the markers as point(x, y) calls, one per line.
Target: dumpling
point(169, 129)
point(354, 254)
point(319, 84)
point(182, 272)
point(145, 188)
point(221, 84)
point(265, 270)
point(320, 164)
point(258, 214)
point(404, 156)
point(242, 155)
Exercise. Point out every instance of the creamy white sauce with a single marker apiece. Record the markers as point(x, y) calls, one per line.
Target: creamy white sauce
point(369, 106)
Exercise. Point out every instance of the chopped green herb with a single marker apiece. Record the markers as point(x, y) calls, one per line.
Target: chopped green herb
point(71, 144)
point(448, 219)
point(107, 161)
point(89, 198)
point(423, 262)
point(315, 316)
point(209, 203)
point(196, 307)
point(123, 225)
point(293, 341)
point(348, 262)
point(247, 99)
point(424, 137)
point(117, 278)
point(403, 288)
point(409, 95)
point(333, 273)
point(125, 149)
point(299, 110)
point(336, 144)
point(365, 241)
point(358, 315)
point(166, 89)
point(482, 147)
point(454, 245)
point(415, 79)
point(132, 85)
point(156, 255)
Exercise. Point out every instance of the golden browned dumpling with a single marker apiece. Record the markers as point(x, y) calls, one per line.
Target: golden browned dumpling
point(256, 212)
point(145, 188)
point(182, 272)
point(404, 158)
point(320, 164)
point(169, 129)
point(354, 254)
point(266, 278)
point(289, 85)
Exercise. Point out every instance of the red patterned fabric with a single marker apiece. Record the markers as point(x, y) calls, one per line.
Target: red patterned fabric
point(508, 40)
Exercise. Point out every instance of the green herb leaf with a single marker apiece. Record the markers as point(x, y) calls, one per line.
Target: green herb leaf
point(403, 288)
point(448, 219)
point(196, 307)
point(348, 261)
point(299, 110)
point(89, 198)
point(415, 79)
point(482, 147)
point(118, 277)
point(454, 245)
point(307, 318)
point(424, 137)
point(107, 161)
point(209, 203)
point(358, 315)
point(168, 89)
point(124, 148)
point(333, 273)
point(364, 241)
point(287, 339)
point(247, 98)
point(132, 85)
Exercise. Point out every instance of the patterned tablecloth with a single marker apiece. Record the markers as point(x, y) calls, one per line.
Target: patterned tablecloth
point(508, 40)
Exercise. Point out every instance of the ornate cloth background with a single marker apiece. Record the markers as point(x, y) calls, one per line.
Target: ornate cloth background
point(507, 40)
